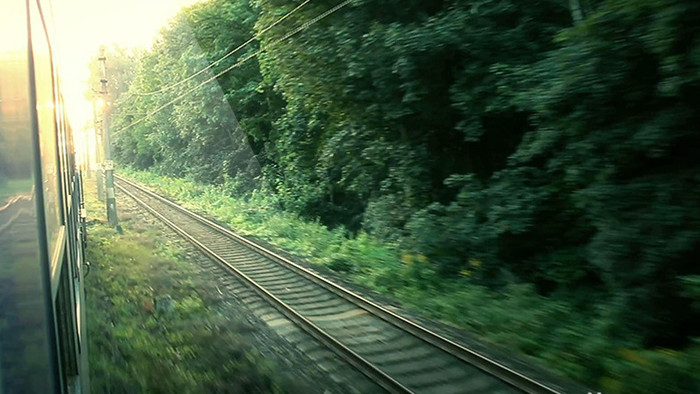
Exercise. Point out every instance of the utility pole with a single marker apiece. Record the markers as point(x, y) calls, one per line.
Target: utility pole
point(99, 177)
point(108, 163)
point(86, 153)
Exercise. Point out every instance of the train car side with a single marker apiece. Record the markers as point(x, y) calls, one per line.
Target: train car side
point(42, 316)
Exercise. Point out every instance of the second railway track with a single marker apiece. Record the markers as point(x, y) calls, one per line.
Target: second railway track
point(397, 354)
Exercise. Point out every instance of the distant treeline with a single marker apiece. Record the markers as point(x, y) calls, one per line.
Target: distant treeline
point(548, 142)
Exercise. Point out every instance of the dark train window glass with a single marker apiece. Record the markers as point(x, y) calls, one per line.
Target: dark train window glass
point(66, 325)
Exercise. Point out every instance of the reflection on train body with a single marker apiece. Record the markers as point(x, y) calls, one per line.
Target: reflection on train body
point(40, 227)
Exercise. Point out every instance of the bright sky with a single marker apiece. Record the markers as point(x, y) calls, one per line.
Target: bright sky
point(83, 25)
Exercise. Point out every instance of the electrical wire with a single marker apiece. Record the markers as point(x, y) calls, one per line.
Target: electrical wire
point(301, 28)
point(263, 31)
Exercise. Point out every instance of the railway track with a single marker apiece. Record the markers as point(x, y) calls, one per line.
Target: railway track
point(397, 354)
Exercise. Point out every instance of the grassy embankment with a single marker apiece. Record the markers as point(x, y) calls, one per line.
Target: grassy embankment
point(136, 345)
point(576, 344)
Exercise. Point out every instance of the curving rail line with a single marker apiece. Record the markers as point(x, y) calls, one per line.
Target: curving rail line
point(13, 209)
point(399, 355)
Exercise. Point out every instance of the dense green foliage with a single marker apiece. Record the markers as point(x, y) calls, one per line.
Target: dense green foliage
point(200, 135)
point(545, 144)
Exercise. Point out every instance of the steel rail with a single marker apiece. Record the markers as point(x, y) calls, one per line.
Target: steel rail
point(491, 367)
point(13, 203)
point(26, 197)
point(354, 359)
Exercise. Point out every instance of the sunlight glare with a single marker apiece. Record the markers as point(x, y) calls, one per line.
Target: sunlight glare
point(83, 25)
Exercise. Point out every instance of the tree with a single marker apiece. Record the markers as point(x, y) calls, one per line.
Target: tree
point(601, 195)
point(199, 134)
point(400, 87)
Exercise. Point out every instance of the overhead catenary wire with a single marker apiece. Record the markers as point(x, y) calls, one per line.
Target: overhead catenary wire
point(302, 27)
point(238, 48)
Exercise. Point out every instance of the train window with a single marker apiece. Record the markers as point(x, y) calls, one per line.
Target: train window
point(66, 323)
point(47, 132)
